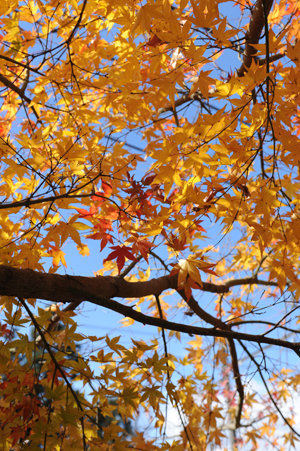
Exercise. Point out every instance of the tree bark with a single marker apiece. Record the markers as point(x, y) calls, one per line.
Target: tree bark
point(252, 36)
point(27, 283)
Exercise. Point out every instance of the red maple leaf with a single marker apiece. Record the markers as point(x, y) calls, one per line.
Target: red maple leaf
point(5, 331)
point(30, 406)
point(104, 237)
point(102, 225)
point(143, 246)
point(154, 41)
point(120, 253)
point(148, 178)
point(16, 433)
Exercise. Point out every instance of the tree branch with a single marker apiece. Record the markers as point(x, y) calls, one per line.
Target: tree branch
point(56, 364)
point(58, 288)
point(19, 63)
point(267, 389)
point(9, 84)
point(238, 382)
point(253, 34)
point(252, 37)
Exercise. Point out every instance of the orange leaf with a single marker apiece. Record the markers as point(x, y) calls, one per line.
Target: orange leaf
point(87, 213)
point(58, 256)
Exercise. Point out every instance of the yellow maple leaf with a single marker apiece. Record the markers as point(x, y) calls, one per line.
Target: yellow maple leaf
point(57, 256)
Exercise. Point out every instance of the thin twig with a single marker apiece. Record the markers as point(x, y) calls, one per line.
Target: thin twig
point(56, 364)
point(267, 389)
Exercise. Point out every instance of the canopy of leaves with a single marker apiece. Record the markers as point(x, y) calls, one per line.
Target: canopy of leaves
point(165, 133)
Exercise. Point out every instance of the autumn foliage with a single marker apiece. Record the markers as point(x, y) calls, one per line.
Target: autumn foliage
point(165, 135)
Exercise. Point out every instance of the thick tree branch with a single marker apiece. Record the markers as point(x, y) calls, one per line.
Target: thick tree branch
point(64, 289)
point(253, 34)
point(58, 288)
point(249, 281)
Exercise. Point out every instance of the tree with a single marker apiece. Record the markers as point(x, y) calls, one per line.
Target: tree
point(167, 134)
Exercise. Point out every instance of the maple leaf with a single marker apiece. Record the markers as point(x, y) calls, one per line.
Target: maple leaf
point(177, 244)
point(16, 433)
point(107, 188)
point(143, 247)
point(5, 331)
point(120, 253)
point(148, 179)
point(187, 268)
point(190, 268)
point(104, 237)
point(58, 256)
point(83, 250)
point(104, 224)
point(30, 405)
point(99, 198)
point(198, 226)
point(52, 374)
point(205, 267)
point(154, 41)
point(136, 190)
point(87, 213)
